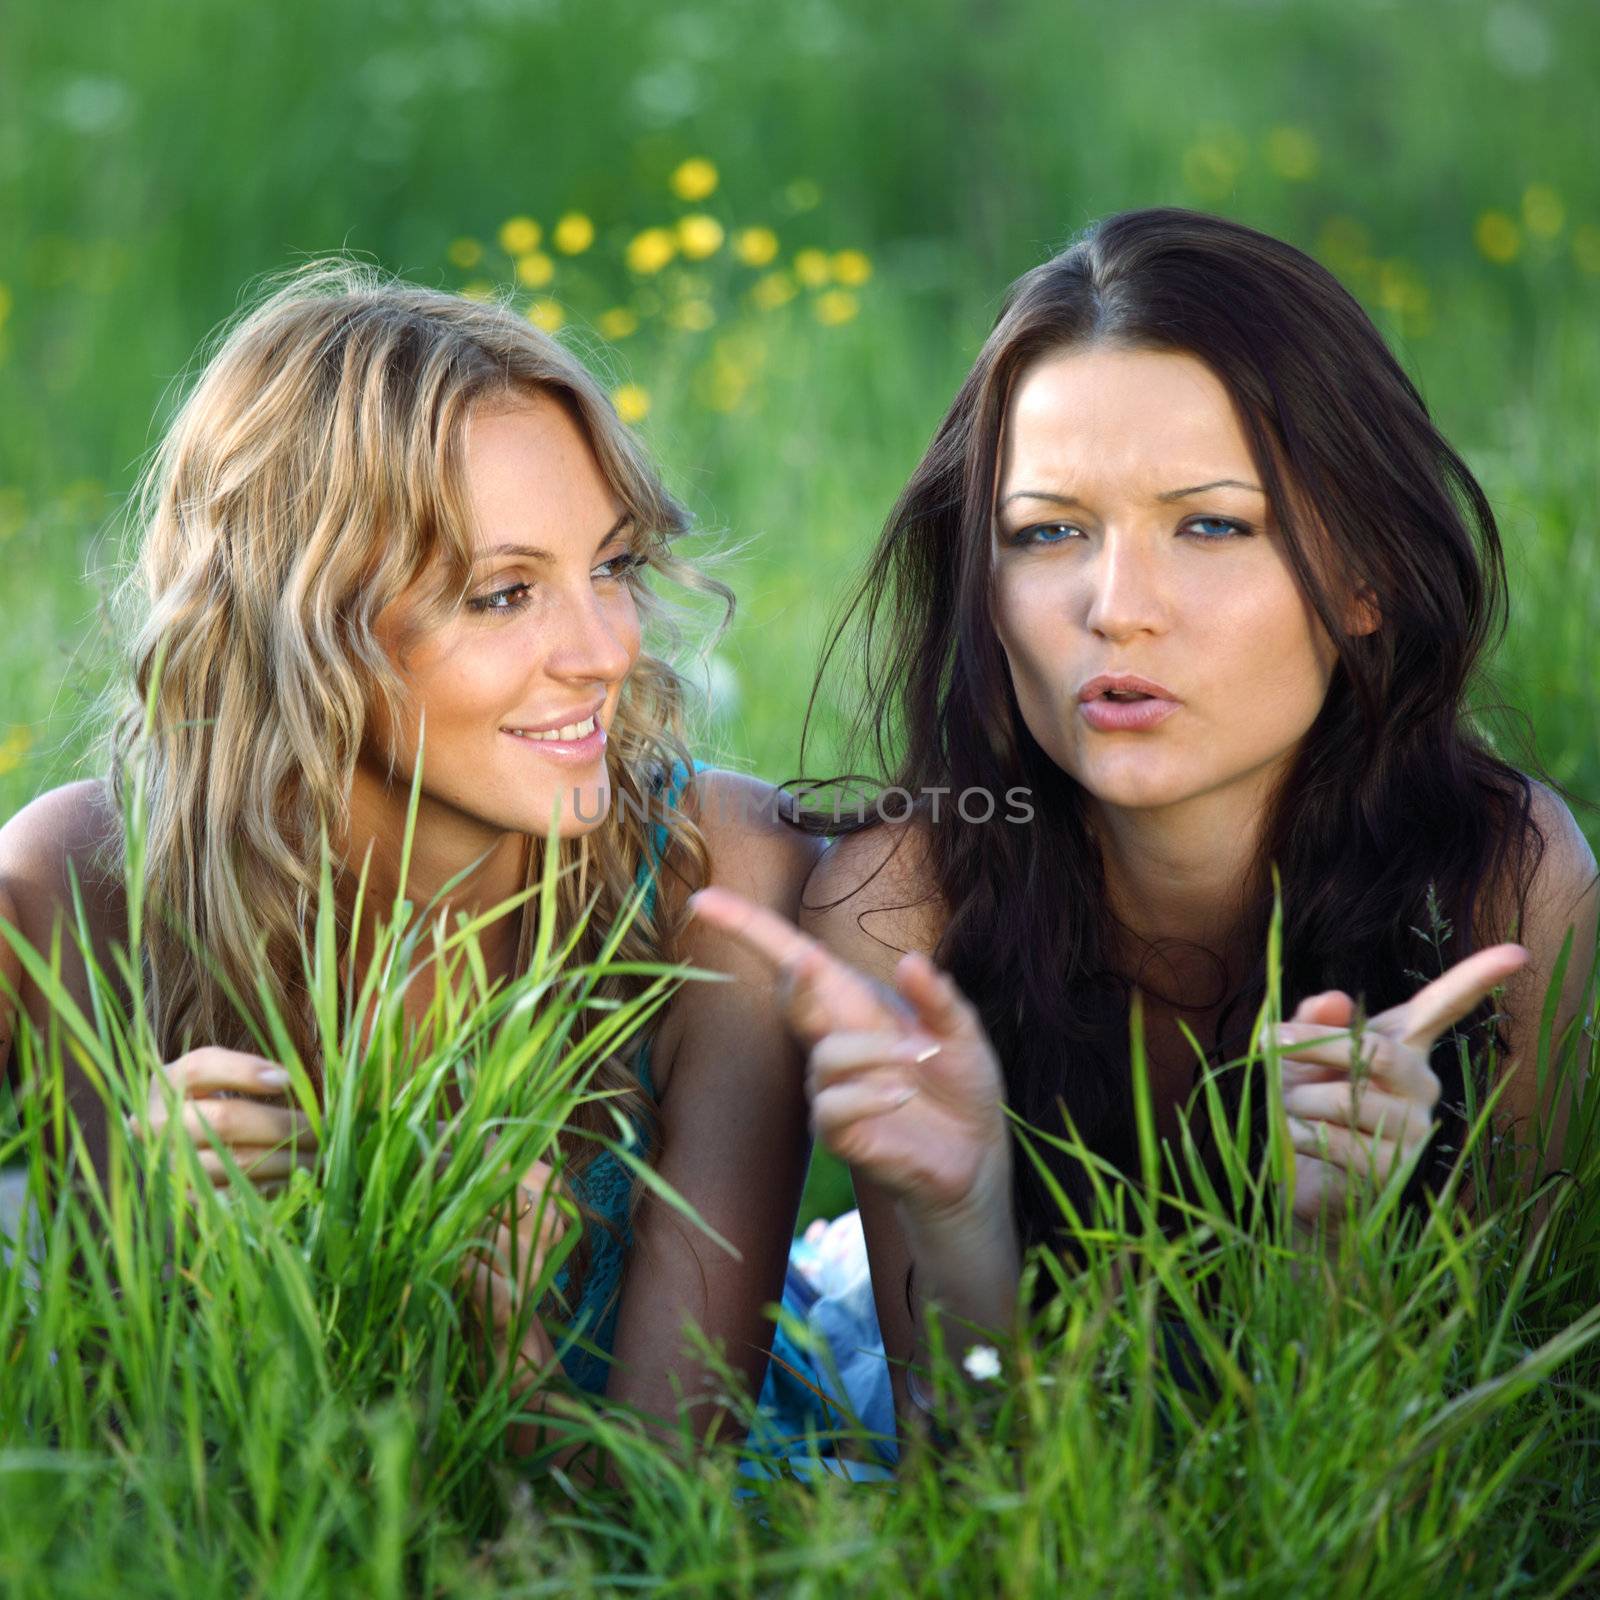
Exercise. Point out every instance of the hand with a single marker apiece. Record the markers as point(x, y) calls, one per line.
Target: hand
point(903, 1083)
point(500, 1277)
point(1350, 1118)
point(236, 1099)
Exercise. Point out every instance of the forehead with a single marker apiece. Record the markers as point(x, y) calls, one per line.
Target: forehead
point(532, 475)
point(1156, 418)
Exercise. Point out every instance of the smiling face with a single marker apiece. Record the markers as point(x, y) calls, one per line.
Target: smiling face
point(1132, 537)
point(517, 687)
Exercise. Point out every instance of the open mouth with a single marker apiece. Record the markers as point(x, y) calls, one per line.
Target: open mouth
point(569, 734)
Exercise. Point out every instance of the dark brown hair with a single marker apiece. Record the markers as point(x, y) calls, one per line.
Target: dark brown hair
point(1392, 804)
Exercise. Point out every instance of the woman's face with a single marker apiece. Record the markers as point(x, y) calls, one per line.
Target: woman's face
point(517, 689)
point(1132, 536)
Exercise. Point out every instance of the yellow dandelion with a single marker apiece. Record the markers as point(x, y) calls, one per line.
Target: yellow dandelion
point(573, 234)
point(836, 306)
point(725, 385)
point(1292, 154)
point(535, 269)
point(693, 316)
point(478, 289)
point(1586, 247)
point(14, 747)
point(465, 253)
point(618, 322)
point(851, 267)
point(694, 179)
point(812, 268)
point(755, 246)
point(13, 512)
point(1543, 214)
point(1211, 167)
point(802, 195)
point(1498, 237)
point(771, 290)
point(651, 250)
point(632, 401)
point(1345, 245)
point(547, 314)
point(1401, 290)
point(519, 235)
point(699, 236)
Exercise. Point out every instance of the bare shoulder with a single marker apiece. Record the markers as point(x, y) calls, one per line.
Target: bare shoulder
point(873, 896)
point(1564, 883)
point(68, 832)
point(751, 848)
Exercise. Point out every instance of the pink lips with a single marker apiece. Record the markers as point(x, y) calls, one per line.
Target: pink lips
point(1125, 716)
point(577, 751)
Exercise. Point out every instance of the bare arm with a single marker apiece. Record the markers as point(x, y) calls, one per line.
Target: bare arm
point(734, 1140)
point(1563, 898)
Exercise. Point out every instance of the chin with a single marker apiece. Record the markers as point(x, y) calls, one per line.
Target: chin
point(584, 806)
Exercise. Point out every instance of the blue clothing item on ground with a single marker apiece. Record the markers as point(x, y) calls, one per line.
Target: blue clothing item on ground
point(605, 1186)
point(828, 1371)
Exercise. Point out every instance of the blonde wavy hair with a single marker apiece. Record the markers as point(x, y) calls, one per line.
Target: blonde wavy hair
point(311, 477)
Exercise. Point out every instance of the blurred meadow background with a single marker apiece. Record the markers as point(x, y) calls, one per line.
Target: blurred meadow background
point(780, 232)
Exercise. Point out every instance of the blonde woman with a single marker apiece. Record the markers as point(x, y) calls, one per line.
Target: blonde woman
point(382, 512)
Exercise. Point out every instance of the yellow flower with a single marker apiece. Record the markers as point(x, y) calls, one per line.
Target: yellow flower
point(1345, 245)
point(573, 234)
point(694, 316)
point(519, 235)
point(1498, 237)
point(478, 289)
point(851, 267)
point(465, 253)
point(836, 306)
point(699, 236)
point(547, 314)
point(771, 290)
point(803, 195)
point(1212, 166)
point(1400, 289)
point(651, 250)
point(13, 512)
point(1542, 211)
point(618, 322)
point(1292, 154)
point(632, 402)
point(755, 246)
point(811, 268)
point(726, 384)
point(694, 179)
point(535, 269)
point(1586, 247)
point(14, 747)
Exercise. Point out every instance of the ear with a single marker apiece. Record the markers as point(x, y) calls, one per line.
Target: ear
point(1362, 615)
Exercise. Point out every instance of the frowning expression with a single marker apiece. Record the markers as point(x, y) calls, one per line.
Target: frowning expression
point(1133, 539)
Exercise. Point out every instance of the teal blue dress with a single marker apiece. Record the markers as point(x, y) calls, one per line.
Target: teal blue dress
point(605, 1187)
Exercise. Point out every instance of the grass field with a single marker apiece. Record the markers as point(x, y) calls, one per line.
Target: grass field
point(793, 226)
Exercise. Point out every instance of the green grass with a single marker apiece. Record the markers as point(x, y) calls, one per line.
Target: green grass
point(155, 159)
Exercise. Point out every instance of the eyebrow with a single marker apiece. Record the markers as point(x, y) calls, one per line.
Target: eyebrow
point(531, 553)
point(1169, 494)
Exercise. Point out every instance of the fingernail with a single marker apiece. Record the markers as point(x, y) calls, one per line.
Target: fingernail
point(927, 1053)
point(272, 1077)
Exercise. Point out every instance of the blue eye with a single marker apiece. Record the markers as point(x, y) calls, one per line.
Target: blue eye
point(1044, 533)
point(1227, 526)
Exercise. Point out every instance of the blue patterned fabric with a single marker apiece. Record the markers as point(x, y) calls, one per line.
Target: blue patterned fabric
point(605, 1186)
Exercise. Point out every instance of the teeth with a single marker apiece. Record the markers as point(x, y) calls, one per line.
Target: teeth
point(572, 730)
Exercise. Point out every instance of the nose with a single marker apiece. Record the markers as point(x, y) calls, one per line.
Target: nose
point(1125, 589)
point(596, 637)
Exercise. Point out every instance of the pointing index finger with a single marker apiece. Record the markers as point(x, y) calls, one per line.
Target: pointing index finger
point(1453, 994)
point(759, 930)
